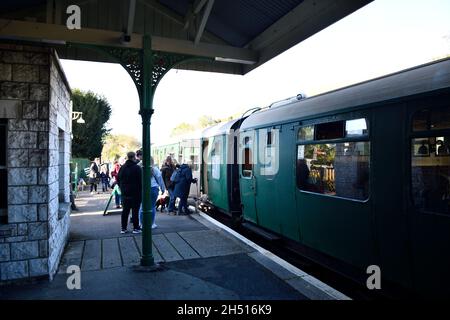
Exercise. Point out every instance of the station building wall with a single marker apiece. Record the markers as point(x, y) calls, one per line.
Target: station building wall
point(35, 113)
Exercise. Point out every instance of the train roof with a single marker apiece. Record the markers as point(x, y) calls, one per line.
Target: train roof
point(428, 77)
point(192, 135)
point(220, 128)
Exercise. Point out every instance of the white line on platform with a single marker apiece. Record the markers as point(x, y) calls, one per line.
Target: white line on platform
point(333, 293)
point(97, 213)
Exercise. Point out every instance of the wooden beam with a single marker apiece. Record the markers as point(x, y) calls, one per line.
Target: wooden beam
point(205, 16)
point(51, 33)
point(199, 5)
point(217, 51)
point(49, 13)
point(131, 15)
point(193, 12)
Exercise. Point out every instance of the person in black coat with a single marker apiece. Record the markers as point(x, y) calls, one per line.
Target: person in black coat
point(129, 179)
point(183, 182)
point(94, 175)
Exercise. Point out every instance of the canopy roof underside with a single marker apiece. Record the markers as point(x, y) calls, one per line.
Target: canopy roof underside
point(238, 35)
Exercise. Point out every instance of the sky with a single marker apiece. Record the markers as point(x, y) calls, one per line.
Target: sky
point(383, 37)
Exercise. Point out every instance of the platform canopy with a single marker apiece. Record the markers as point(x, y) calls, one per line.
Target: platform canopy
point(239, 35)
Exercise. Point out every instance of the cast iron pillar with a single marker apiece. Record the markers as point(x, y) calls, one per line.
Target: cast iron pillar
point(146, 111)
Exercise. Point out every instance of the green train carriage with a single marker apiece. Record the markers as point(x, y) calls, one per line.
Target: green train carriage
point(220, 172)
point(186, 150)
point(359, 176)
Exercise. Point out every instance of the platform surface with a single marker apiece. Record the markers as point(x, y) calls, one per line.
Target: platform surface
point(199, 260)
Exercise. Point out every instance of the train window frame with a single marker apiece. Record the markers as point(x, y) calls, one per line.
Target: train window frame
point(216, 157)
point(247, 145)
point(305, 136)
point(4, 171)
point(268, 156)
point(431, 134)
point(430, 112)
point(364, 137)
point(345, 135)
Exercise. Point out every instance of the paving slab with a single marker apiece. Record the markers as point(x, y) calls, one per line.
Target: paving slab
point(165, 248)
point(92, 256)
point(185, 250)
point(211, 243)
point(72, 255)
point(155, 252)
point(129, 251)
point(111, 253)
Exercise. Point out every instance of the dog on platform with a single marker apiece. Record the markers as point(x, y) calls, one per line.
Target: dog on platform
point(81, 184)
point(162, 202)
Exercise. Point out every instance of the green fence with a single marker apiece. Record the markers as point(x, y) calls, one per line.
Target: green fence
point(77, 166)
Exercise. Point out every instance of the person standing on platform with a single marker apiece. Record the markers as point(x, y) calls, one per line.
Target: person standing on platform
point(167, 170)
point(183, 182)
point(104, 177)
point(129, 179)
point(94, 175)
point(114, 172)
point(139, 158)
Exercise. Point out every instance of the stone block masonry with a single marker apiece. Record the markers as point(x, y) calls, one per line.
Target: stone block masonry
point(35, 102)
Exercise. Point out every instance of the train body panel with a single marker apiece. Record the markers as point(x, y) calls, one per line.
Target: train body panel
point(364, 176)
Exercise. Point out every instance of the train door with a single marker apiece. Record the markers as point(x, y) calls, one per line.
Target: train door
point(332, 187)
point(217, 192)
point(429, 204)
point(205, 159)
point(247, 177)
point(191, 154)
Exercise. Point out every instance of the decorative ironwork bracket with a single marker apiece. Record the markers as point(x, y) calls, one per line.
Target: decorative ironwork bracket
point(132, 61)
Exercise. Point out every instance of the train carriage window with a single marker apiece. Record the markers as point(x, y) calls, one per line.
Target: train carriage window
point(333, 130)
point(356, 127)
point(269, 138)
point(306, 133)
point(247, 156)
point(329, 130)
point(430, 173)
point(269, 157)
point(430, 161)
point(3, 173)
point(338, 169)
point(216, 154)
point(427, 119)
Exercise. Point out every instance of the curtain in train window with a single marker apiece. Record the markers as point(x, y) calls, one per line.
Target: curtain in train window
point(247, 158)
point(339, 169)
point(3, 172)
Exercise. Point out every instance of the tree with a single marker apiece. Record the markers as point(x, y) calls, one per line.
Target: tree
point(182, 128)
point(117, 145)
point(88, 138)
point(206, 121)
point(203, 122)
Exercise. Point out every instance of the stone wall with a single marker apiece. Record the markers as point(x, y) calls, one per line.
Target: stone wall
point(34, 98)
point(58, 169)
